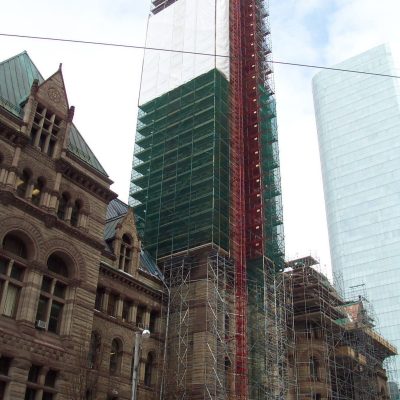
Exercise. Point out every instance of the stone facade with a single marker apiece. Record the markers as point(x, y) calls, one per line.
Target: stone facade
point(337, 353)
point(70, 302)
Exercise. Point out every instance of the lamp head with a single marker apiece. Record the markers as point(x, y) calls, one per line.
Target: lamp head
point(145, 334)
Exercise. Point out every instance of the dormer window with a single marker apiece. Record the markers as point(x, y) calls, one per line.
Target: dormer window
point(125, 254)
point(45, 129)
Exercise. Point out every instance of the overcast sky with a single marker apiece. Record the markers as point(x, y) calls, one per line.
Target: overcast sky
point(103, 82)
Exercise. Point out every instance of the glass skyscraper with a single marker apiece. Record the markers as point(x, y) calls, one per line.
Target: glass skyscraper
point(358, 121)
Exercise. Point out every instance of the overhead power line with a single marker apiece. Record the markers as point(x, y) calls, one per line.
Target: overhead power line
point(138, 47)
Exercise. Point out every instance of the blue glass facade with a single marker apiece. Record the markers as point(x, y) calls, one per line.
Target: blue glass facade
point(358, 121)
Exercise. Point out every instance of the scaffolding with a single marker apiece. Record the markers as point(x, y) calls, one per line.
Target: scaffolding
point(271, 333)
point(206, 189)
point(338, 355)
point(201, 342)
point(180, 176)
point(256, 211)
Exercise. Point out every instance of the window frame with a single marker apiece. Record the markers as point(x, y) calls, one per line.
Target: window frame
point(125, 254)
point(115, 357)
point(50, 297)
point(45, 129)
point(7, 281)
point(34, 386)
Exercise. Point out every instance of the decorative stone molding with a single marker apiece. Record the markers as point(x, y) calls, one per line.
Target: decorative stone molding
point(85, 182)
point(77, 262)
point(38, 172)
point(28, 231)
point(75, 195)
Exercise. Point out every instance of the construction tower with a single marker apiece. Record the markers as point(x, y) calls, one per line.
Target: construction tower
point(206, 189)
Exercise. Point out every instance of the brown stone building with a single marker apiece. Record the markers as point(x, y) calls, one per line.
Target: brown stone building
point(337, 353)
point(74, 284)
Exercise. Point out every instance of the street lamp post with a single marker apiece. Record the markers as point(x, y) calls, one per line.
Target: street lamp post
point(139, 336)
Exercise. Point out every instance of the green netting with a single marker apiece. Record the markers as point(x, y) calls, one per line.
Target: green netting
point(273, 220)
point(180, 184)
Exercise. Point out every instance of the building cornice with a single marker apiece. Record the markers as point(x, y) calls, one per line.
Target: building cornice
point(129, 280)
point(50, 220)
point(87, 183)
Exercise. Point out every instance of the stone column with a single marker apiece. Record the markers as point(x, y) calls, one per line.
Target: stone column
point(30, 295)
point(142, 367)
point(19, 375)
point(68, 213)
point(54, 194)
point(3, 175)
point(11, 178)
point(133, 313)
point(146, 319)
point(67, 314)
point(119, 306)
point(41, 380)
point(104, 302)
point(83, 219)
point(28, 193)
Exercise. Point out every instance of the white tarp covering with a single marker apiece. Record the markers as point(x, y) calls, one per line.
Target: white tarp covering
point(187, 25)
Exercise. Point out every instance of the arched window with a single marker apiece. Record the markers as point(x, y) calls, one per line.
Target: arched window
point(38, 190)
point(11, 274)
point(51, 377)
point(23, 183)
point(125, 254)
point(62, 206)
point(57, 265)
point(94, 351)
point(15, 245)
point(36, 388)
point(148, 369)
point(76, 209)
point(314, 368)
point(53, 291)
point(115, 357)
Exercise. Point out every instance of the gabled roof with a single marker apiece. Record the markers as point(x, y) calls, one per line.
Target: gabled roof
point(116, 208)
point(116, 212)
point(149, 265)
point(16, 77)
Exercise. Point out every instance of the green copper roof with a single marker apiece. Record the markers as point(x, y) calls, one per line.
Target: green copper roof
point(16, 77)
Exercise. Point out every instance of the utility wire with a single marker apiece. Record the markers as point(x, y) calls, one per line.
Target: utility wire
point(130, 46)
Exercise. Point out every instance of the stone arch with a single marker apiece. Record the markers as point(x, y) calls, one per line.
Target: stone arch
point(76, 195)
point(116, 355)
point(84, 203)
point(27, 231)
point(127, 237)
point(38, 171)
point(76, 262)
